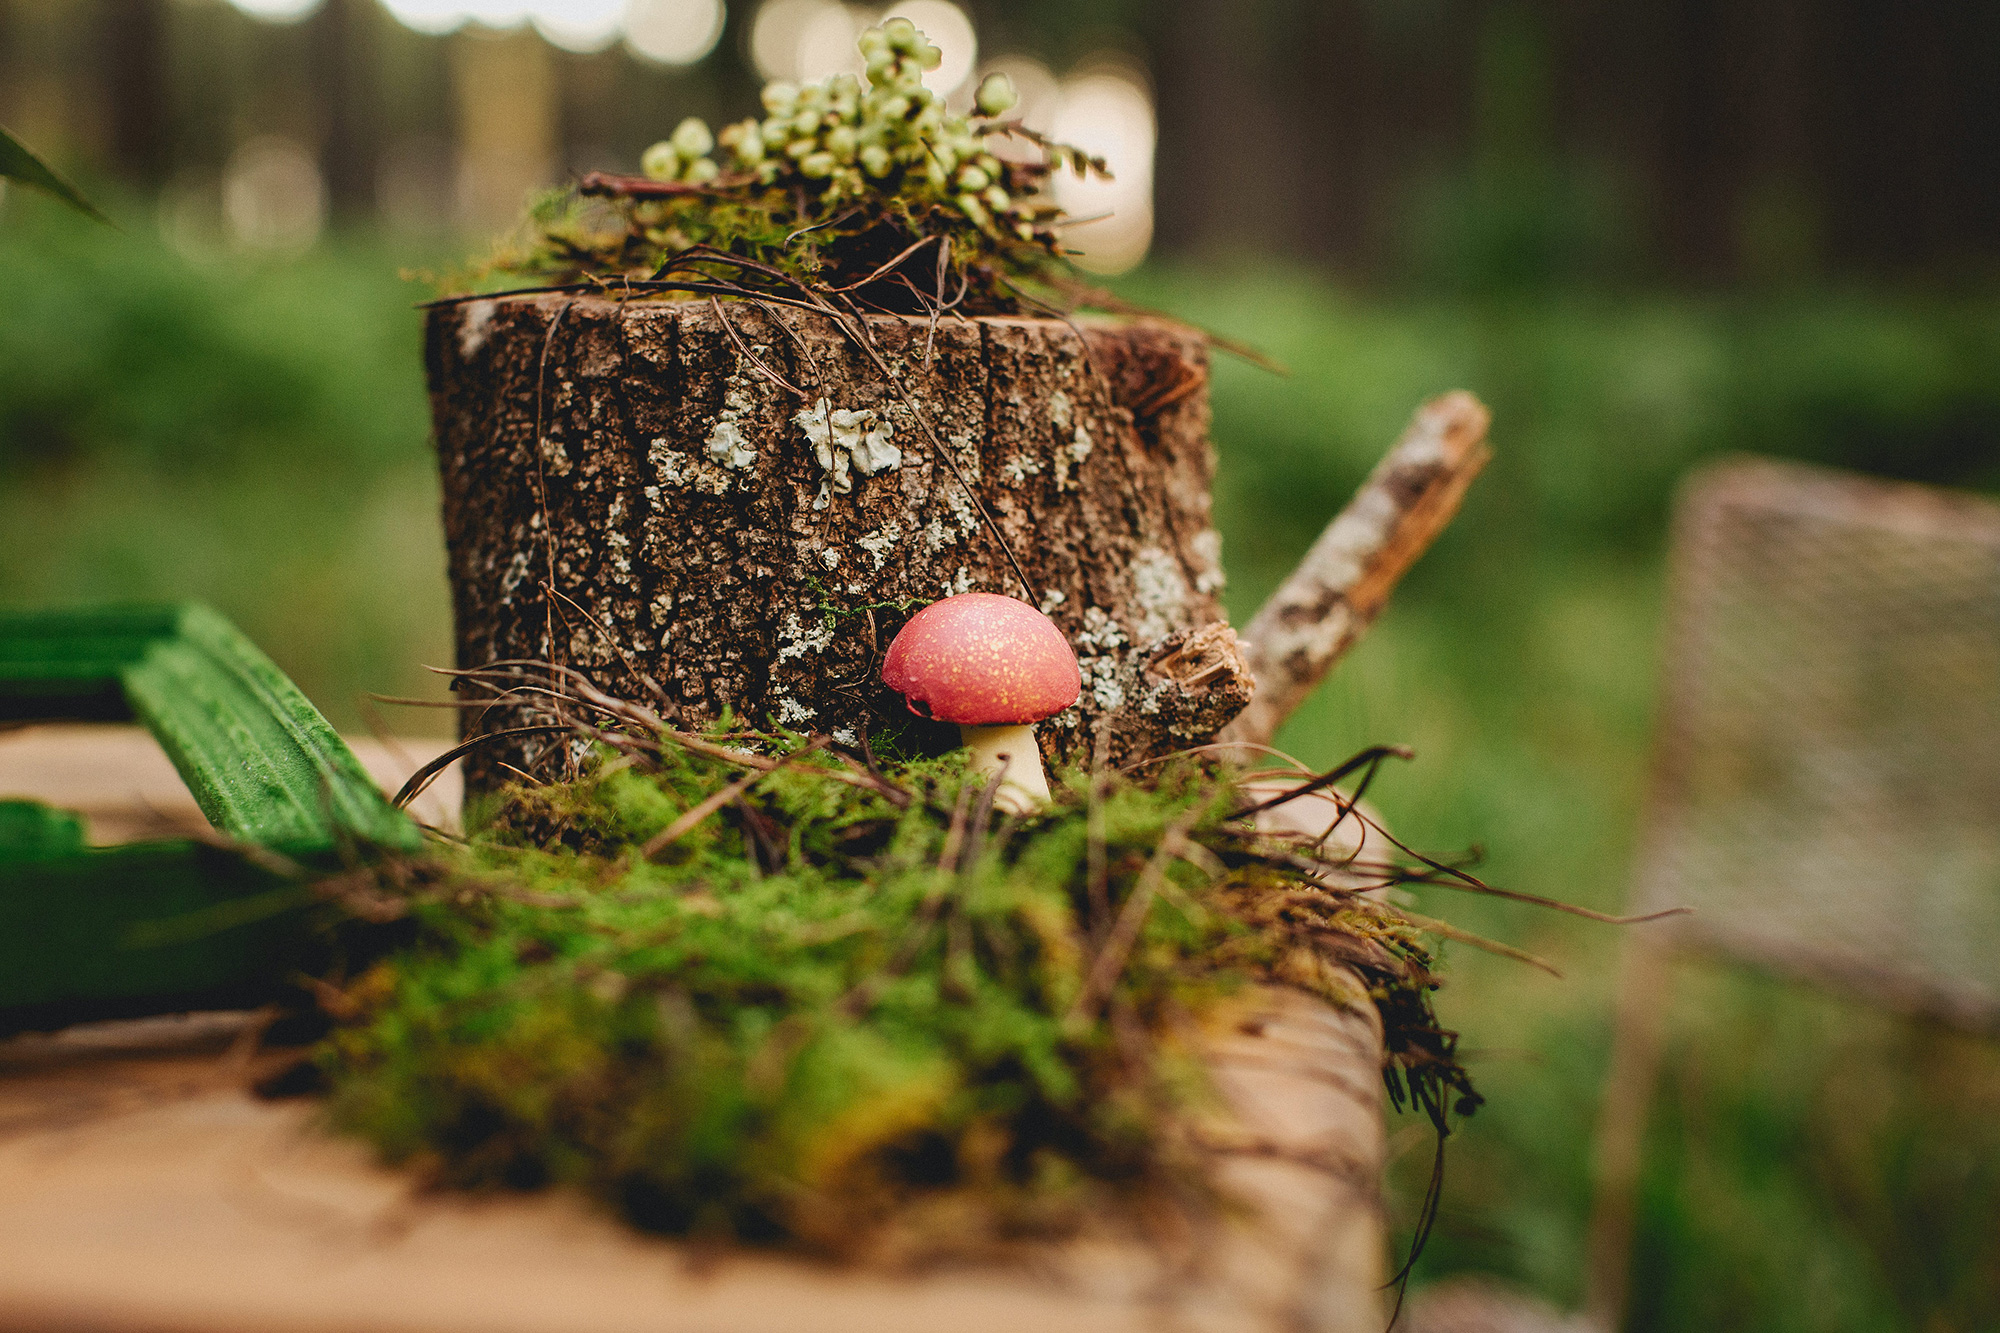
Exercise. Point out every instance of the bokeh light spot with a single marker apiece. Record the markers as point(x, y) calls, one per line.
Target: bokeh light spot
point(427, 16)
point(582, 26)
point(673, 32)
point(277, 11)
point(775, 33)
point(1109, 111)
point(273, 197)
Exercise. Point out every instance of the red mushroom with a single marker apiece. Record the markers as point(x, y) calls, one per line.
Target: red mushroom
point(996, 667)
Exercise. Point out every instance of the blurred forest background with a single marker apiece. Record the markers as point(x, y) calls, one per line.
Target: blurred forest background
point(1647, 233)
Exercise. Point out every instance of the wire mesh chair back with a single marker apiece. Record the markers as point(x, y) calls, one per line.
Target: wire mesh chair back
point(1827, 786)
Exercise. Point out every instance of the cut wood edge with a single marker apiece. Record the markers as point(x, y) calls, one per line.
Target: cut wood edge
point(147, 1190)
point(1328, 602)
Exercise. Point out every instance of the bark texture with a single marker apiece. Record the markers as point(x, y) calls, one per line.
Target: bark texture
point(738, 503)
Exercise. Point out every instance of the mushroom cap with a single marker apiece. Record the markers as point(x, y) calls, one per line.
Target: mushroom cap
point(982, 660)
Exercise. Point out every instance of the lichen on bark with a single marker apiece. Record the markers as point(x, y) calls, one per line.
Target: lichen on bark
point(739, 504)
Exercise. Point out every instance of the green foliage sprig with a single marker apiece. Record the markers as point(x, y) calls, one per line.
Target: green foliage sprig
point(869, 188)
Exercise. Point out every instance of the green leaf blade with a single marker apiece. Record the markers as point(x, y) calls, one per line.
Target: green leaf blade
point(17, 163)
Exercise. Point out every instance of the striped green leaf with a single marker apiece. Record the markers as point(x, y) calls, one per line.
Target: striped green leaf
point(89, 932)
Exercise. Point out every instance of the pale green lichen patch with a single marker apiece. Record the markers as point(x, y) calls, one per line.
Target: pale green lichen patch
point(616, 541)
point(959, 522)
point(796, 638)
point(845, 442)
point(1021, 467)
point(686, 472)
point(474, 322)
point(1069, 457)
point(727, 444)
point(1059, 411)
point(1100, 657)
point(1206, 548)
point(880, 542)
point(1159, 595)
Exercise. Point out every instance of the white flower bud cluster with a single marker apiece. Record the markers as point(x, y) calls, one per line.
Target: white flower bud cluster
point(684, 157)
point(893, 136)
point(996, 95)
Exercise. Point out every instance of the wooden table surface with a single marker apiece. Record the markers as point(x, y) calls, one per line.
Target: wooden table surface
point(144, 1189)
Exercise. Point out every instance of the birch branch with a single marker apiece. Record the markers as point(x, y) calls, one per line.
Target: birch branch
point(1324, 607)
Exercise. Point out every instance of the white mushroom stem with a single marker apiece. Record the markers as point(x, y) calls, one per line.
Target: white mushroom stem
point(1012, 752)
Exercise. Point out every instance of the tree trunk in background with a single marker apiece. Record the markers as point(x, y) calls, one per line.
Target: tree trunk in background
point(506, 126)
point(343, 58)
point(134, 37)
point(754, 548)
point(1229, 168)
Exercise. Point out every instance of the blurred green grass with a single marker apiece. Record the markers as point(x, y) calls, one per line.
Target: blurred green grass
point(248, 432)
point(255, 433)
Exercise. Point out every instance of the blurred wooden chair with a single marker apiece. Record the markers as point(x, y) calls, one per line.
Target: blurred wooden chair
point(1826, 783)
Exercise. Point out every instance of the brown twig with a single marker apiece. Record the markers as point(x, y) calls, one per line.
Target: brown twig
point(1110, 960)
point(715, 304)
point(1334, 595)
point(1451, 932)
point(606, 184)
point(422, 777)
point(701, 810)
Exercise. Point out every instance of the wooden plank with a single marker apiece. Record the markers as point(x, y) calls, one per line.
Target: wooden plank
point(126, 788)
point(144, 1189)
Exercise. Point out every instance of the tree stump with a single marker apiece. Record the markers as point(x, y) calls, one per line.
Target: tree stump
point(744, 504)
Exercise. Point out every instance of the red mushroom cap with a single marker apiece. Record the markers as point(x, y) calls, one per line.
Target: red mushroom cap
point(982, 660)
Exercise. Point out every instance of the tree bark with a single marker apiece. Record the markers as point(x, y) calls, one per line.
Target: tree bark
point(743, 505)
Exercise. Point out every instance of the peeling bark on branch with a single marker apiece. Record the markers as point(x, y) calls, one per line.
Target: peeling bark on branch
point(750, 510)
point(1324, 607)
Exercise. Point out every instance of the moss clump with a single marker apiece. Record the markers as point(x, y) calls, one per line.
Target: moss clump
point(846, 1006)
point(864, 192)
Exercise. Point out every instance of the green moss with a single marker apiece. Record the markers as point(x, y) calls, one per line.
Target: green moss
point(834, 1009)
